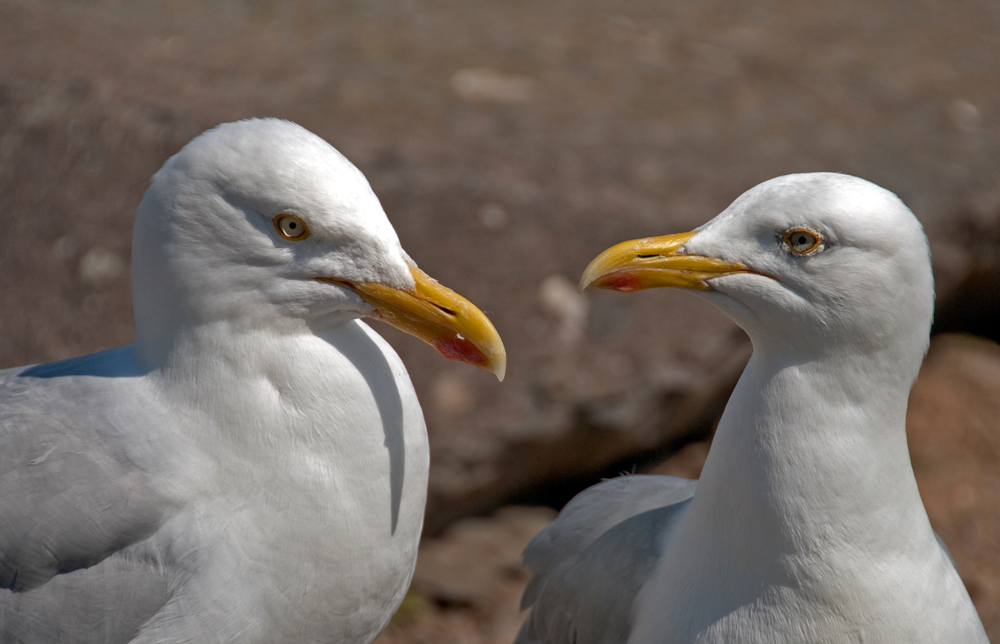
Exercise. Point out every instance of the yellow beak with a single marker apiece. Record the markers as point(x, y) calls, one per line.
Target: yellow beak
point(654, 262)
point(437, 315)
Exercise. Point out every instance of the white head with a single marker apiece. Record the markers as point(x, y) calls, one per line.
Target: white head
point(806, 263)
point(261, 224)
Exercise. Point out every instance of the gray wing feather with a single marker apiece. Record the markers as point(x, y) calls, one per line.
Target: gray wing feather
point(70, 493)
point(591, 562)
point(105, 604)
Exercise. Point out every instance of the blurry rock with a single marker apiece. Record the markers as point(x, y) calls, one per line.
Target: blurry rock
point(966, 252)
point(562, 301)
point(984, 204)
point(472, 559)
point(63, 247)
point(974, 305)
point(965, 116)
point(953, 428)
point(468, 581)
point(685, 462)
point(493, 217)
point(100, 265)
point(489, 85)
point(169, 47)
point(452, 394)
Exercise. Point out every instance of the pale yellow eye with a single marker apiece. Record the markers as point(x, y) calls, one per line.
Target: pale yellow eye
point(291, 227)
point(802, 241)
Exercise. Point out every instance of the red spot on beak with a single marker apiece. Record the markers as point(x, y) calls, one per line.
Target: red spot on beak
point(624, 281)
point(458, 348)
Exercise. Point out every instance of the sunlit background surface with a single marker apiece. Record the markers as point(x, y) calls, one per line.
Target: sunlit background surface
point(510, 142)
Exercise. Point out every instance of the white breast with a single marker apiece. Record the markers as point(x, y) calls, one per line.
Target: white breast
point(310, 485)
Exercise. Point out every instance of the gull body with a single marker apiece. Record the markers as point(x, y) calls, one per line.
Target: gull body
point(254, 467)
point(806, 524)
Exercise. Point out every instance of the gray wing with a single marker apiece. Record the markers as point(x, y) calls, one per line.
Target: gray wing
point(71, 494)
point(591, 562)
point(107, 603)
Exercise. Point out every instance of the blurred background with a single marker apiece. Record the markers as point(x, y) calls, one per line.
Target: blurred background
point(510, 142)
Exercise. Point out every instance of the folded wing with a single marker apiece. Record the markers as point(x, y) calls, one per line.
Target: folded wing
point(591, 562)
point(75, 489)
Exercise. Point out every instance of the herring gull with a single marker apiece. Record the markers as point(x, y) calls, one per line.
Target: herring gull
point(254, 468)
point(806, 524)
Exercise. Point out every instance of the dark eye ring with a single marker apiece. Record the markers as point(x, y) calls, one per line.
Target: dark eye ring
point(291, 227)
point(802, 241)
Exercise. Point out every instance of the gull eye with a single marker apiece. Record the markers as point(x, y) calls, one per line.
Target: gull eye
point(802, 241)
point(291, 227)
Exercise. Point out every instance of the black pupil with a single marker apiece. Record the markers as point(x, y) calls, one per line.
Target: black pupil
point(291, 225)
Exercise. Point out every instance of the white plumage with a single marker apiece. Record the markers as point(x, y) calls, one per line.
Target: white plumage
point(806, 524)
point(254, 467)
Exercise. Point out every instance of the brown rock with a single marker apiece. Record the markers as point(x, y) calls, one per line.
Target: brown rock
point(953, 427)
point(468, 582)
point(686, 462)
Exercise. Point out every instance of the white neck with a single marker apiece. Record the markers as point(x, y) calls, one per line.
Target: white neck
point(807, 524)
point(812, 454)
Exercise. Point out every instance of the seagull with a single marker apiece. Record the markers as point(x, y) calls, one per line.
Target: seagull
point(254, 468)
point(806, 525)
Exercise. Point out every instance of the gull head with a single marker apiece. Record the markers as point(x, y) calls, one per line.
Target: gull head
point(262, 225)
point(808, 263)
